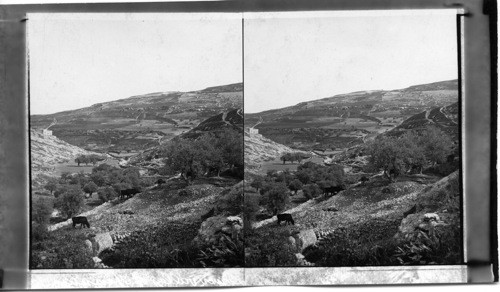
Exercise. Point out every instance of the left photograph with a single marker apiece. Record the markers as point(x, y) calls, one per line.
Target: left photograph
point(136, 140)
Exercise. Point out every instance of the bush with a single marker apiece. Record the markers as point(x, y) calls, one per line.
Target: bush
point(70, 202)
point(39, 232)
point(311, 191)
point(226, 253)
point(269, 248)
point(41, 211)
point(69, 252)
point(232, 202)
point(106, 194)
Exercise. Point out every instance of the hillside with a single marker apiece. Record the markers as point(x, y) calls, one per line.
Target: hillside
point(445, 118)
point(140, 121)
point(231, 119)
point(47, 152)
point(346, 119)
point(259, 149)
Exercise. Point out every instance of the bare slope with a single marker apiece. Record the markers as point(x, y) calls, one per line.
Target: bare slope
point(259, 149)
point(47, 151)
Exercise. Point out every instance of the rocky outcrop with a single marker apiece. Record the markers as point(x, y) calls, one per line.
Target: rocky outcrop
point(437, 208)
point(212, 229)
point(259, 149)
point(47, 151)
point(415, 225)
point(101, 242)
point(304, 239)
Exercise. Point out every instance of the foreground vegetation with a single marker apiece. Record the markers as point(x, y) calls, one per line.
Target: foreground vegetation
point(362, 225)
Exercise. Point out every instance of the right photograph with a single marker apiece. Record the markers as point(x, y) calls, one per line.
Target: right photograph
point(352, 139)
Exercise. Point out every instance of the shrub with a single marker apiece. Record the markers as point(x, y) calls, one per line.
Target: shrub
point(70, 202)
point(232, 202)
point(226, 253)
point(269, 248)
point(41, 211)
point(39, 232)
point(311, 191)
point(106, 194)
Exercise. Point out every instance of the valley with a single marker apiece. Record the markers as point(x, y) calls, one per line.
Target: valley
point(187, 179)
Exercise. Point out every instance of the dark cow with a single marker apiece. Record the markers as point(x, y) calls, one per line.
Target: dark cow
point(128, 192)
point(80, 220)
point(285, 217)
point(364, 179)
point(333, 190)
point(160, 181)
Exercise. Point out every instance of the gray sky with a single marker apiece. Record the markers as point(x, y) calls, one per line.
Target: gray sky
point(77, 60)
point(291, 57)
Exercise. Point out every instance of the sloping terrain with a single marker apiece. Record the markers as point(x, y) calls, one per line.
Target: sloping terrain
point(140, 121)
point(367, 219)
point(231, 119)
point(445, 118)
point(46, 152)
point(346, 119)
point(259, 149)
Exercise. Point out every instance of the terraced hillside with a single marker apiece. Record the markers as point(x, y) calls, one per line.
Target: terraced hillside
point(140, 121)
point(343, 120)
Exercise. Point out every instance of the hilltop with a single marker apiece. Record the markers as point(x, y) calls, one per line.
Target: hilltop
point(138, 122)
point(342, 120)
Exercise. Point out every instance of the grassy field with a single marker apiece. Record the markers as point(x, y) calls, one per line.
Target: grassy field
point(73, 167)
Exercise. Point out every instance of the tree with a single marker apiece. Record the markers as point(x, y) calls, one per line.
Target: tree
point(311, 191)
point(295, 185)
point(70, 202)
point(257, 183)
point(277, 197)
point(41, 211)
point(436, 144)
point(51, 185)
point(106, 194)
point(90, 188)
point(81, 159)
point(286, 157)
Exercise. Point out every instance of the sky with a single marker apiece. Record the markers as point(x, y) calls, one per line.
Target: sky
point(294, 57)
point(77, 60)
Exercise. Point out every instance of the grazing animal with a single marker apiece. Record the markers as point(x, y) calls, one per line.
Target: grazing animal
point(160, 181)
point(333, 190)
point(80, 220)
point(285, 217)
point(128, 192)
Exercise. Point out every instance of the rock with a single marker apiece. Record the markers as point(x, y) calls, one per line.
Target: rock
point(299, 256)
point(234, 220)
point(101, 242)
point(431, 216)
point(305, 238)
point(292, 241)
point(411, 226)
point(96, 260)
point(88, 245)
point(211, 229)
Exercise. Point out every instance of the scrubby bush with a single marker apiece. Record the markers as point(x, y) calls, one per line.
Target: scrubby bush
point(65, 251)
point(70, 202)
point(311, 191)
point(231, 203)
point(106, 194)
point(226, 253)
point(41, 211)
